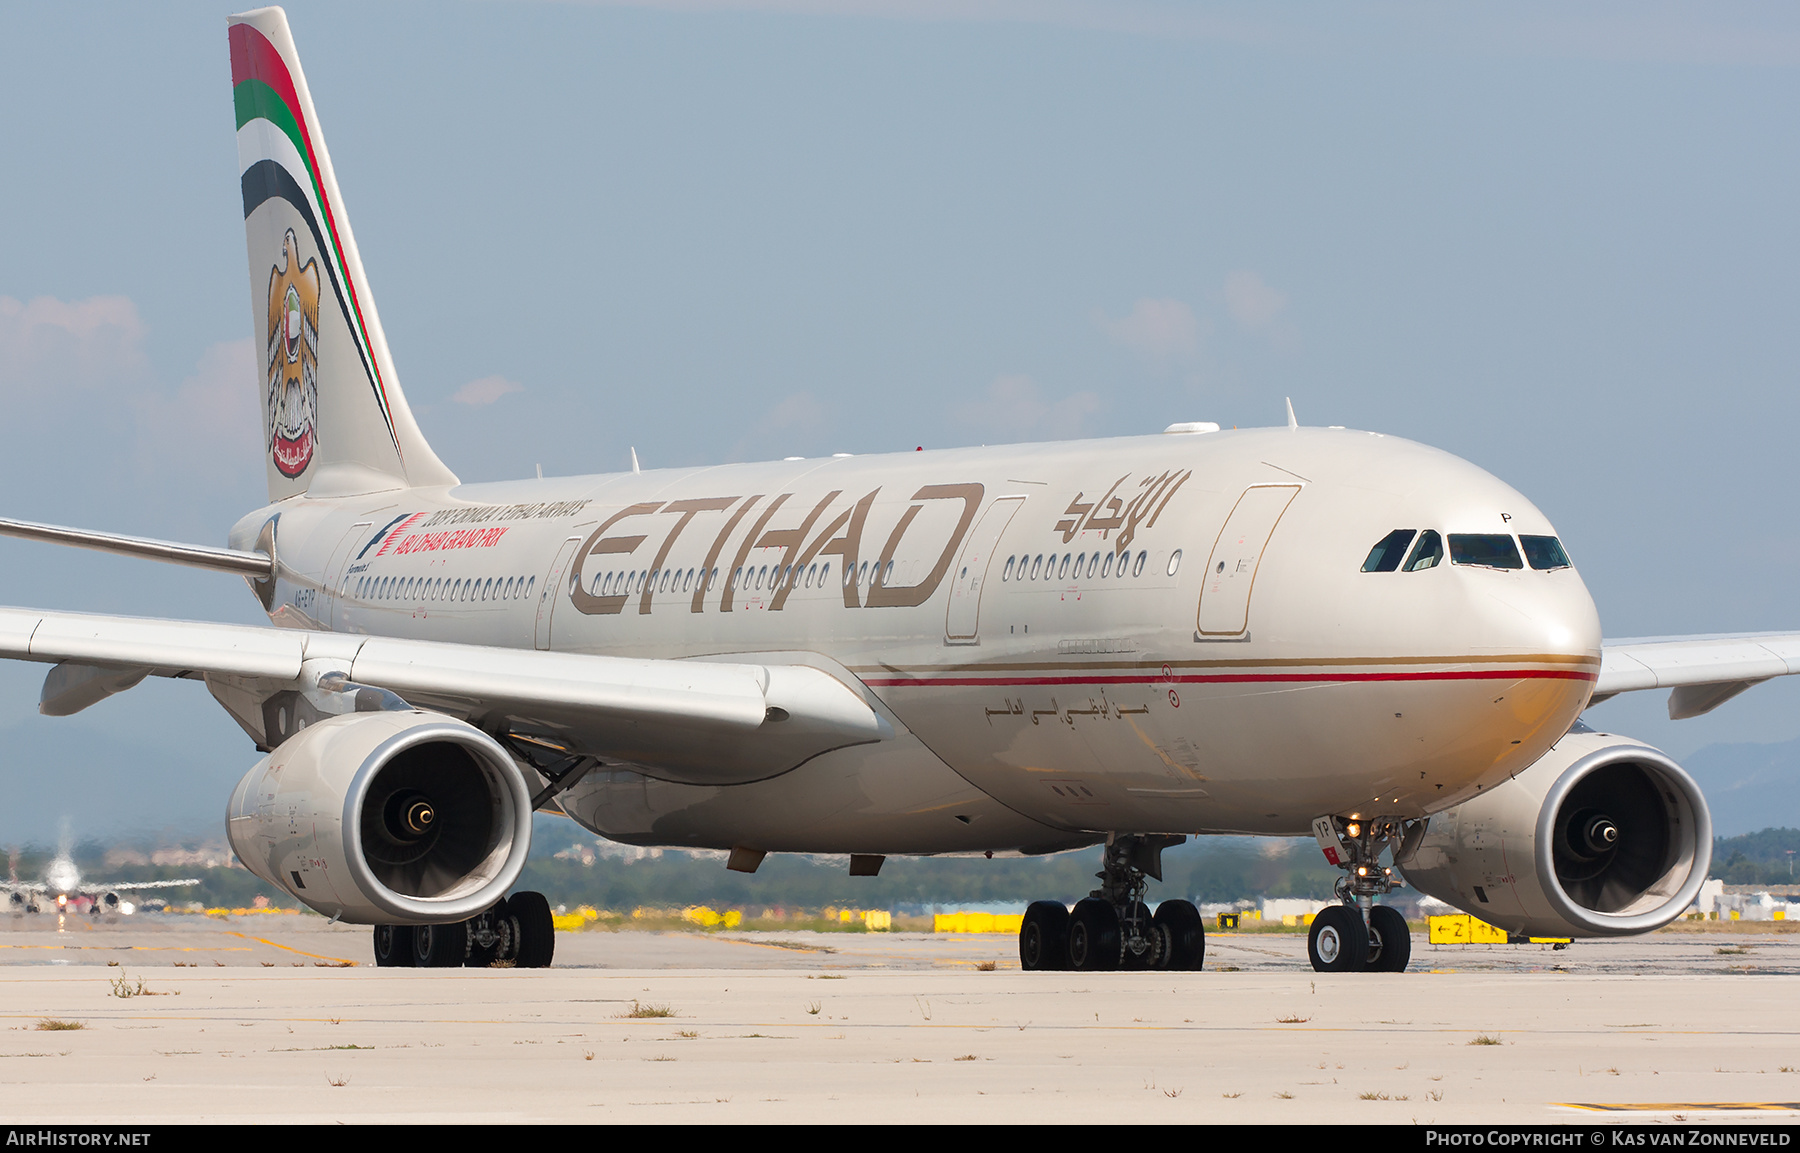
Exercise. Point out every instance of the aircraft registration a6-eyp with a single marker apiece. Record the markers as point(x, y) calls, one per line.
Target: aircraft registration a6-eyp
point(1022, 649)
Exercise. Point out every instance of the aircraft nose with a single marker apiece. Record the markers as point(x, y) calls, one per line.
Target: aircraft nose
point(1550, 613)
point(1539, 635)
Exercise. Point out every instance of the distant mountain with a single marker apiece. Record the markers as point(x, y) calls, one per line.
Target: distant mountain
point(1749, 787)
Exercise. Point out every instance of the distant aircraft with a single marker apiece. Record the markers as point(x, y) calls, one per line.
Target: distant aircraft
point(62, 888)
point(1121, 642)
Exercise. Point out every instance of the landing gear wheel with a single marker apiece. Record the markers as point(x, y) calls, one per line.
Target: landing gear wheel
point(537, 932)
point(1187, 934)
point(1339, 941)
point(1093, 936)
point(1390, 941)
point(1154, 957)
point(440, 946)
point(480, 956)
point(1044, 936)
point(394, 946)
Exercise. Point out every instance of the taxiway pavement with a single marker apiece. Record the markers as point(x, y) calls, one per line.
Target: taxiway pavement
point(257, 1019)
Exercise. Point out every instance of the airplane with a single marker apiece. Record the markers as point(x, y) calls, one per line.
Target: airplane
point(1112, 643)
point(62, 886)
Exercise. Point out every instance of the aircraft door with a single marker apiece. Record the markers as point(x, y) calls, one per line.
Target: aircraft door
point(334, 570)
point(962, 622)
point(552, 590)
point(1231, 570)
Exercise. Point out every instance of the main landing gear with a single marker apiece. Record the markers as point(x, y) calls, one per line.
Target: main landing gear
point(516, 932)
point(1359, 936)
point(1113, 928)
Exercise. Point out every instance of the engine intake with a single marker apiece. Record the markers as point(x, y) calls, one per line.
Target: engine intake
point(1603, 836)
point(386, 818)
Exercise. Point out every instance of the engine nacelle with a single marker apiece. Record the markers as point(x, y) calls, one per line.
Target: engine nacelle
point(1604, 836)
point(400, 818)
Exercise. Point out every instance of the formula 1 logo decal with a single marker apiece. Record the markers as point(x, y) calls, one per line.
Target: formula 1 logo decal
point(293, 360)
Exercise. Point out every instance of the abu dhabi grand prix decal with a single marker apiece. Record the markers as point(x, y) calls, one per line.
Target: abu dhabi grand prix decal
point(292, 360)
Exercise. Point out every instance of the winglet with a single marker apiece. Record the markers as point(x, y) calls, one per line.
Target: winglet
point(1292, 423)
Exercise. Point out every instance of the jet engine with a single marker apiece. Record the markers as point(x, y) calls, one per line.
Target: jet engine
point(393, 817)
point(1603, 836)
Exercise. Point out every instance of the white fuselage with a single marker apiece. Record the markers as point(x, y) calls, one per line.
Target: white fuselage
point(1156, 634)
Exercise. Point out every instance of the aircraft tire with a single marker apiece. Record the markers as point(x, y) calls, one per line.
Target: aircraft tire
point(1187, 934)
point(1044, 936)
point(1093, 936)
point(440, 946)
point(393, 946)
point(1338, 941)
point(537, 932)
point(1390, 941)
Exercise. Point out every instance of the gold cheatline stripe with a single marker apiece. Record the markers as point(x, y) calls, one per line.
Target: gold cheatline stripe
point(1285, 662)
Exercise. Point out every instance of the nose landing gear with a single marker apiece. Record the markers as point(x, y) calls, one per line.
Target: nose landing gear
point(1113, 928)
point(1358, 935)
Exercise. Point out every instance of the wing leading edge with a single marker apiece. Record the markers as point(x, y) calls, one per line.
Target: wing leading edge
point(1702, 672)
point(696, 720)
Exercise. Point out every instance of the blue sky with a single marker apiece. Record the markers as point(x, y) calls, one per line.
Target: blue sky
point(1558, 240)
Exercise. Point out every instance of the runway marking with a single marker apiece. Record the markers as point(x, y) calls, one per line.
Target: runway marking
point(291, 949)
point(1682, 1106)
point(139, 948)
point(788, 948)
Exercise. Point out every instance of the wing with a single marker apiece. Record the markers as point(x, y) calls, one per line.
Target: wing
point(1704, 672)
point(699, 720)
point(123, 886)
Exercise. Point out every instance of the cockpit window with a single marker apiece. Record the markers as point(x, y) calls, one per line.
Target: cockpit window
point(1544, 552)
point(1427, 553)
point(1385, 556)
point(1488, 550)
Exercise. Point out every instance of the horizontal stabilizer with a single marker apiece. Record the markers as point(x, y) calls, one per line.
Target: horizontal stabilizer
point(255, 565)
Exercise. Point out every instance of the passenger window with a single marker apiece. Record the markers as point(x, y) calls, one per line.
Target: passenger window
point(1174, 561)
point(1385, 556)
point(1485, 550)
point(1428, 553)
point(1137, 570)
point(1544, 552)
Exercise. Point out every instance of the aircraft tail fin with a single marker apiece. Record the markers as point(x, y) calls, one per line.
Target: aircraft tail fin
point(334, 418)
